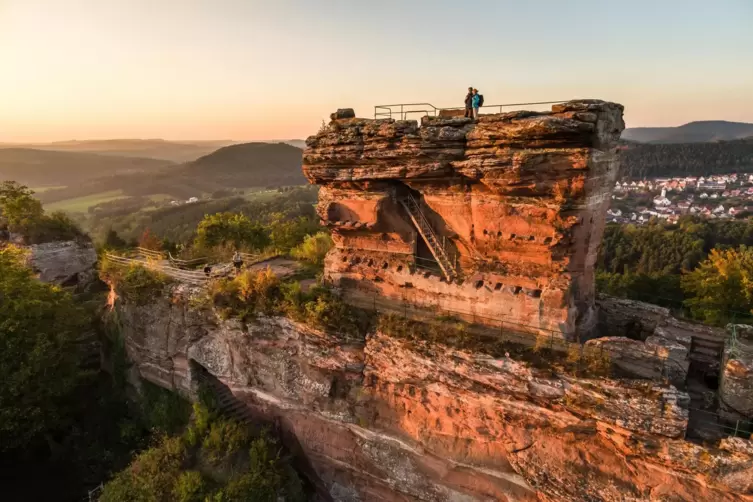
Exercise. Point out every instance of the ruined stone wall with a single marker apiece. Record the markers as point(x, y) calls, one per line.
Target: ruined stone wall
point(380, 418)
point(517, 199)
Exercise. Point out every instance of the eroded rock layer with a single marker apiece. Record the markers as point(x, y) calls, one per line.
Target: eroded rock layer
point(515, 201)
point(381, 418)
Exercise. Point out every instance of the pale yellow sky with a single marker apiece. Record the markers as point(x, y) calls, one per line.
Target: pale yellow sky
point(250, 69)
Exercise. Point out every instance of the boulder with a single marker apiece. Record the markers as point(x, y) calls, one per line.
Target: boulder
point(343, 113)
point(65, 263)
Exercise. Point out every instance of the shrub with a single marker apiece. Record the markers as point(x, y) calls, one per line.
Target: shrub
point(588, 361)
point(174, 469)
point(134, 283)
point(246, 294)
point(190, 487)
point(313, 249)
point(323, 309)
point(164, 411)
point(224, 439)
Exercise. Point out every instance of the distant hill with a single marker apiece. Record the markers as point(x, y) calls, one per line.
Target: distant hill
point(694, 132)
point(47, 168)
point(175, 151)
point(237, 166)
point(300, 143)
point(641, 160)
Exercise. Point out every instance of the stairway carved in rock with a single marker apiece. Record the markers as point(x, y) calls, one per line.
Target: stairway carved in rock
point(423, 226)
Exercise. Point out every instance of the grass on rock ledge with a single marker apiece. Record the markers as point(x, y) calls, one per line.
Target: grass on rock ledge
point(135, 284)
point(262, 292)
point(580, 360)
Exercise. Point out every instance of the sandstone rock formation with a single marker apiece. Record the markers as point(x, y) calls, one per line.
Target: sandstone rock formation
point(736, 385)
point(67, 263)
point(507, 214)
point(381, 418)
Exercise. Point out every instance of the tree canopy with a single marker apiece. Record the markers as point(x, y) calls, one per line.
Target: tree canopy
point(23, 214)
point(232, 229)
point(722, 286)
point(39, 326)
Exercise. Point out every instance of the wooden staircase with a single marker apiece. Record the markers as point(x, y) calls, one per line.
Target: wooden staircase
point(413, 209)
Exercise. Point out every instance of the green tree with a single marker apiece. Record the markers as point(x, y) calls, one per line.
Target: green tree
point(39, 326)
point(113, 240)
point(286, 233)
point(230, 229)
point(721, 288)
point(314, 248)
point(18, 206)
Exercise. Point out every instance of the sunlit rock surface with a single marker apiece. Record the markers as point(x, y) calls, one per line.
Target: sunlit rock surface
point(379, 418)
point(736, 385)
point(66, 263)
point(517, 200)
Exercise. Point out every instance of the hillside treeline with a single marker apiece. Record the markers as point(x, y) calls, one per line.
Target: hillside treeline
point(698, 267)
point(178, 223)
point(640, 161)
point(237, 166)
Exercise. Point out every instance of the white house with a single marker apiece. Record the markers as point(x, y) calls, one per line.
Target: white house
point(192, 200)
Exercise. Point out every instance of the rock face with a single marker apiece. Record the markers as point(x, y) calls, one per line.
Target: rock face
point(736, 383)
point(66, 263)
point(509, 211)
point(381, 418)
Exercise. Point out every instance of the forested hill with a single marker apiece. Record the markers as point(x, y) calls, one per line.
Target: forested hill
point(174, 151)
point(693, 132)
point(237, 166)
point(48, 168)
point(251, 164)
point(686, 159)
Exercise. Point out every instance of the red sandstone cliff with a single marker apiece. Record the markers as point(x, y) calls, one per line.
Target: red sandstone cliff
point(382, 418)
point(516, 201)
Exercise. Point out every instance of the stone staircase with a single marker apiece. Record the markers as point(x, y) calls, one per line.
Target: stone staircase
point(413, 209)
point(225, 401)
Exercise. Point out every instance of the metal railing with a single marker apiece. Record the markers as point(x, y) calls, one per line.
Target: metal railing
point(402, 111)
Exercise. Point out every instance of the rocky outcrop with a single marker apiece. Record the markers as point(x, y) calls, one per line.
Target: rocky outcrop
point(515, 203)
point(736, 382)
point(66, 263)
point(381, 418)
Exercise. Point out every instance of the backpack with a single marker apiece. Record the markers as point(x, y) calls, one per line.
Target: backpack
point(481, 100)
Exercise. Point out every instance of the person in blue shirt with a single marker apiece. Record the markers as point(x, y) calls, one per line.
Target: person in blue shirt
point(476, 102)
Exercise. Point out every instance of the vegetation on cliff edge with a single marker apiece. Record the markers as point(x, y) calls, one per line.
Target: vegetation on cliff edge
point(215, 460)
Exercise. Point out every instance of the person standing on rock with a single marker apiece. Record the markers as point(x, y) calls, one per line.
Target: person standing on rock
point(469, 103)
point(237, 262)
point(477, 100)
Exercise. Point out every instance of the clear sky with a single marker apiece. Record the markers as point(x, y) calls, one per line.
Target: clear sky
point(273, 69)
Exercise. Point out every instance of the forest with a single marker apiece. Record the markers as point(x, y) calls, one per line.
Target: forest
point(640, 161)
point(66, 426)
point(699, 268)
